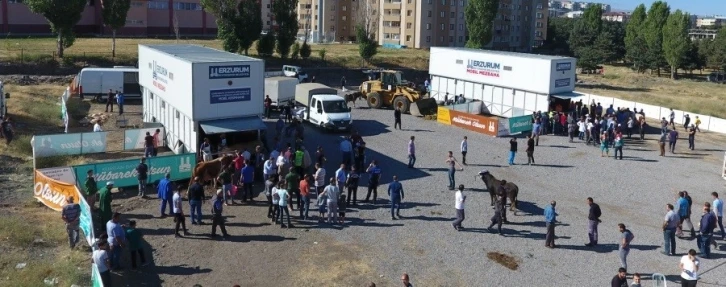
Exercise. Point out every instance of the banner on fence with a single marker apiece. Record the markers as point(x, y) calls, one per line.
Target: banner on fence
point(520, 124)
point(64, 110)
point(62, 174)
point(86, 220)
point(69, 144)
point(123, 173)
point(53, 193)
point(134, 139)
point(723, 170)
point(472, 122)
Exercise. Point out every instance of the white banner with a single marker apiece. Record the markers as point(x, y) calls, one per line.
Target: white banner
point(62, 174)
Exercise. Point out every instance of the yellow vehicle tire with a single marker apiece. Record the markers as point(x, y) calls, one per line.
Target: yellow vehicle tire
point(374, 100)
point(402, 103)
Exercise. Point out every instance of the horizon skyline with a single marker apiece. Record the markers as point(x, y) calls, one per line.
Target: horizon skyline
point(694, 7)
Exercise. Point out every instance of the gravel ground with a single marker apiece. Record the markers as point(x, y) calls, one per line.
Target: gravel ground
point(372, 247)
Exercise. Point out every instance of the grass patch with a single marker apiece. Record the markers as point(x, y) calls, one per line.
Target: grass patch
point(18, 231)
point(691, 94)
point(98, 52)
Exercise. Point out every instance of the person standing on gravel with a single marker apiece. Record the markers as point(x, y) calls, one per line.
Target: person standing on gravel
point(120, 102)
point(459, 200)
point(706, 227)
point(165, 193)
point(346, 149)
point(411, 152)
point(109, 100)
point(672, 139)
point(179, 218)
point(513, 150)
point(689, 266)
point(117, 238)
point(374, 177)
point(692, 138)
point(536, 130)
point(464, 150)
point(319, 178)
point(550, 219)
point(684, 212)
point(662, 142)
point(352, 184)
point(397, 118)
point(71, 215)
point(6, 128)
point(293, 187)
point(718, 212)
point(395, 193)
point(332, 193)
point(196, 197)
point(305, 196)
point(284, 200)
point(624, 246)
point(497, 219)
point(620, 279)
point(593, 218)
point(670, 224)
point(341, 177)
point(217, 218)
point(142, 170)
point(452, 163)
point(530, 150)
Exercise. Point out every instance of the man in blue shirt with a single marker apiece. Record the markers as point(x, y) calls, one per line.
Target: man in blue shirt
point(395, 192)
point(120, 102)
point(550, 219)
point(536, 131)
point(116, 239)
point(165, 192)
point(684, 213)
point(248, 177)
point(374, 178)
point(708, 224)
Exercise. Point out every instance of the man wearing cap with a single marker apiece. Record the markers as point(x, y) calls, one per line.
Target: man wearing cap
point(105, 198)
point(217, 219)
point(71, 215)
point(165, 193)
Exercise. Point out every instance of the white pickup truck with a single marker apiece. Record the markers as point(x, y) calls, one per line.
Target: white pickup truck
point(322, 106)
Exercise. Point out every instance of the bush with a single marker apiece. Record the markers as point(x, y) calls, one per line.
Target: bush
point(305, 51)
point(295, 51)
point(266, 45)
point(321, 54)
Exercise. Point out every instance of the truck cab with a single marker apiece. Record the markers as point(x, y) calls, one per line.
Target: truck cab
point(321, 106)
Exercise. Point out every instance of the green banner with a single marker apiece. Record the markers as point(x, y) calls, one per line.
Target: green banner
point(520, 124)
point(86, 221)
point(95, 276)
point(123, 173)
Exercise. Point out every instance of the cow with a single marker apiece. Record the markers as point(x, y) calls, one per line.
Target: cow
point(353, 97)
point(493, 183)
point(210, 170)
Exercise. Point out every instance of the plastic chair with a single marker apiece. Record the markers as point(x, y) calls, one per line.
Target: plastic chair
point(659, 280)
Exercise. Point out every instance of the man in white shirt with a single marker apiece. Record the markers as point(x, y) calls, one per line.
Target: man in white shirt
point(333, 193)
point(581, 129)
point(178, 213)
point(464, 149)
point(102, 262)
point(246, 153)
point(341, 176)
point(459, 199)
point(97, 127)
point(718, 211)
point(319, 179)
point(346, 148)
point(269, 168)
point(280, 163)
point(689, 266)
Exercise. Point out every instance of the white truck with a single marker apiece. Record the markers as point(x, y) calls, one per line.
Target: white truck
point(97, 82)
point(322, 106)
point(280, 89)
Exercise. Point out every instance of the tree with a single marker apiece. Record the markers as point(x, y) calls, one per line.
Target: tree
point(694, 59)
point(295, 51)
point(653, 32)
point(114, 15)
point(717, 57)
point(225, 12)
point(584, 36)
point(558, 36)
point(367, 17)
point(286, 17)
point(248, 24)
point(305, 51)
point(367, 48)
point(615, 33)
point(62, 15)
point(321, 54)
point(634, 36)
point(675, 40)
point(479, 17)
point(266, 45)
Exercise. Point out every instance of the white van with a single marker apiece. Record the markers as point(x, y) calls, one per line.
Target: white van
point(295, 72)
point(96, 82)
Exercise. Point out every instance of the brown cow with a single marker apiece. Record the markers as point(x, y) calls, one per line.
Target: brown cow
point(209, 170)
point(353, 97)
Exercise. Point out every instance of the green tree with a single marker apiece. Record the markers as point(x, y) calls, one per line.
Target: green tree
point(694, 59)
point(639, 55)
point(225, 12)
point(616, 36)
point(321, 54)
point(558, 37)
point(266, 45)
point(62, 15)
point(114, 15)
point(653, 32)
point(717, 57)
point(584, 36)
point(634, 37)
point(367, 47)
point(305, 51)
point(286, 17)
point(248, 24)
point(295, 51)
point(479, 18)
point(675, 40)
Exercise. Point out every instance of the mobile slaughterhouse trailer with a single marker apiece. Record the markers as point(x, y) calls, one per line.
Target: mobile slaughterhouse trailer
point(197, 92)
point(510, 84)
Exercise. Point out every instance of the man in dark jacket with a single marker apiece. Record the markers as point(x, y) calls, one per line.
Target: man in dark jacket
point(110, 100)
point(593, 220)
point(708, 224)
point(397, 118)
point(530, 150)
point(498, 219)
point(217, 218)
point(142, 170)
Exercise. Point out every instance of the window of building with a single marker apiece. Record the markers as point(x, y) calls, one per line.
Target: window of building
point(539, 24)
point(137, 4)
point(461, 27)
point(409, 1)
point(408, 12)
point(461, 15)
point(538, 33)
point(539, 15)
point(443, 27)
point(461, 39)
point(332, 17)
point(134, 22)
point(316, 6)
point(526, 7)
point(268, 6)
point(332, 28)
point(539, 6)
point(451, 39)
point(443, 2)
point(409, 25)
point(332, 8)
point(373, 1)
point(430, 2)
point(408, 38)
point(428, 39)
point(453, 15)
point(441, 14)
point(268, 23)
point(344, 8)
point(158, 5)
point(429, 13)
point(441, 39)
point(517, 38)
point(344, 18)
point(462, 3)
point(428, 26)
point(187, 6)
point(451, 27)
point(526, 18)
point(453, 2)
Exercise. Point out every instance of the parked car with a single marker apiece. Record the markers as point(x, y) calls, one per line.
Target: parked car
point(717, 77)
point(295, 72)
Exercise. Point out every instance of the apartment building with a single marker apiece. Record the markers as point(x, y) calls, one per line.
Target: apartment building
point(717, 21)
point(145, 18)
point(702, 34)
point(327, 21)
point(519, 25)
point(616, 16)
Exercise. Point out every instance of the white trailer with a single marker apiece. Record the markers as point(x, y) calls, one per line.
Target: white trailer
point(280, 89)
point(510, 84)
point(196, 92)
point(97, 82)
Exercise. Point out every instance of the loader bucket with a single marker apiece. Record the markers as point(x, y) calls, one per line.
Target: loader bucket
point(423, 107)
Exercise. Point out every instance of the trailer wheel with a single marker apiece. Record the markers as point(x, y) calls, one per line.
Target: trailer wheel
point(402, 103)
point(374, 100)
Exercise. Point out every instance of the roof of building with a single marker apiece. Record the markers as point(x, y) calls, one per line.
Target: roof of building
point(199, 54)
point(124, 69)
point(506, 53)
